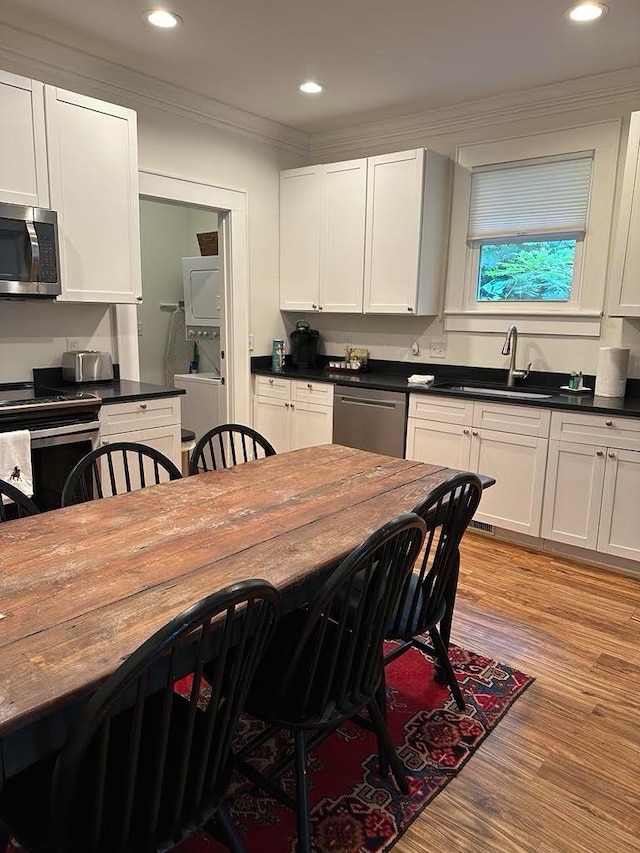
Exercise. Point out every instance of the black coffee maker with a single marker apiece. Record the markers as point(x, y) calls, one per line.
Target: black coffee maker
point(304, 345)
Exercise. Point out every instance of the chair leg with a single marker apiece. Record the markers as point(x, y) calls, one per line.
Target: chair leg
point(236, 844)
point(381, 698)
point(302, 795)
point(382, 734)
point(447, 669)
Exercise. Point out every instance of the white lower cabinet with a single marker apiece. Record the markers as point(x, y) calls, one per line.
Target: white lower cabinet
point(453, 432)
point(154, 422)
point(292, 413)
point(591, 492)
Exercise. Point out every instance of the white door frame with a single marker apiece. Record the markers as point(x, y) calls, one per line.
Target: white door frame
point(233, 203)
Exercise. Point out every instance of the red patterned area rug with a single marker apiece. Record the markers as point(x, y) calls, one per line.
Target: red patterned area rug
point(353, 810)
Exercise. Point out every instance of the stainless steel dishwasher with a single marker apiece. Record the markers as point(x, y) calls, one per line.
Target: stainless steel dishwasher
point(370, 420)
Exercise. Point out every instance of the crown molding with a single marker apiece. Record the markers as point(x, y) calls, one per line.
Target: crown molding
point(578, 94)
point(31, 55)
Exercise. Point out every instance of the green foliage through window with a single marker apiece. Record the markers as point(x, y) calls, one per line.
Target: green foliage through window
point(535, 272)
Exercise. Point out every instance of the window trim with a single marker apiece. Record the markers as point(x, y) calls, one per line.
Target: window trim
point(582, 314)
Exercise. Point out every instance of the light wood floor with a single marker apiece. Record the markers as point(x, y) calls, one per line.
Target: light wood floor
point(561, 772)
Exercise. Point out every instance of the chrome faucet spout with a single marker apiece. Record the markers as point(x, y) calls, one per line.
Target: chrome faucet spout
point(510, 347)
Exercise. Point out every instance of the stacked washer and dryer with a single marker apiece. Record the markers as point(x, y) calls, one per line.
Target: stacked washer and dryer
point(204, 404)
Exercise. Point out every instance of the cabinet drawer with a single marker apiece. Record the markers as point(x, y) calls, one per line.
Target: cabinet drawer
point(450, 410)
point(312, 392)
point(139, 414)
point(521, 420)
point(272, 386)
point(607, 430)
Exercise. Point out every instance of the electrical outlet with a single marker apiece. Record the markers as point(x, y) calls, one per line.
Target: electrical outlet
point(73, 344)
point(140, 331)
point(437, 348)
point(250, 343)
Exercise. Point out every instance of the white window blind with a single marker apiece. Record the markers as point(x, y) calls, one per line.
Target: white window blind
point(533, 199)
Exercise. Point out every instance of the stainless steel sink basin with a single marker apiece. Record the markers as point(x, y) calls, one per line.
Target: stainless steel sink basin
point(499, 392)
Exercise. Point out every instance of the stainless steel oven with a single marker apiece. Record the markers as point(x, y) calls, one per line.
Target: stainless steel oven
point(29, 252)
point(64, 427)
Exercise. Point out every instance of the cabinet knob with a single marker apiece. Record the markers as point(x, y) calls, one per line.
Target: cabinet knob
point(138, 298)
point(271, 382)
point(609, 423)
point(309, 386)
point(286, 405)
point(409, 308)
point(465, 432)
point(475, 432)
point(612, 455)
point(319, 307)
point(599, 452)
point(292, 406)
point(314, 305)
point(143, 405)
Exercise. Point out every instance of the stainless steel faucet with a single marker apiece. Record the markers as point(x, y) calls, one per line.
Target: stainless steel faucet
point(510, 346)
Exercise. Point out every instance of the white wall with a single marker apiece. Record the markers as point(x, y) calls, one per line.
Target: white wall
point(167, 234)
point(391, 337)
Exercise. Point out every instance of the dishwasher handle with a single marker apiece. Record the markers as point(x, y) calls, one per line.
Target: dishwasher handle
point(365, 401)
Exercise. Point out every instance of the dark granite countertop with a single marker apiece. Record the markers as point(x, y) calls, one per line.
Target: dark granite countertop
point(392, 376)
point(117, 391)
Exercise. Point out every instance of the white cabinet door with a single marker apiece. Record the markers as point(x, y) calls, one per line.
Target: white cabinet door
point(300, 206)
point(572, 493)
point(311, 425)
point(625, 267)
point(272, 419)
point(619, 532)
point(518, 463)
point(23, 145)
point(93, 169)
point(166, 439)
point(394, 219)
point(439, 443)
point(342, 236)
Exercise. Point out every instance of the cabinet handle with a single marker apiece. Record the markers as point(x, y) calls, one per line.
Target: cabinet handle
point(465, 432)
point(292, 406)
point(319, 307)
point(612, 455)
point(314, 305)
point(271, 382)
point(599, 452)
point(409, 308)
point(309, 386)
point(475, 432)
point(609, 423)
point(143, 405)
point(138, 298)
point(286, 405)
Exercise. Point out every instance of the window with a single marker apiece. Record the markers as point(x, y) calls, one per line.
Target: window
point(530, 228)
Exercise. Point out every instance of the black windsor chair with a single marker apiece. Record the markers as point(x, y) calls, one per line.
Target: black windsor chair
point(18, 506)
point(447, 511)
point(228, 445)
point(145, 768)
point(116, 468)
point(324, 664)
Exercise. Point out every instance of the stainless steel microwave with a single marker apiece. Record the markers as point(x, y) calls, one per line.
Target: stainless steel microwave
point(29, 252)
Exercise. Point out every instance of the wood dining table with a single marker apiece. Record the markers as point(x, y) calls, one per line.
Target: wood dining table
point(82, 587)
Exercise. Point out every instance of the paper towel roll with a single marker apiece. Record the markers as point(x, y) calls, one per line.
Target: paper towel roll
point(611, 375)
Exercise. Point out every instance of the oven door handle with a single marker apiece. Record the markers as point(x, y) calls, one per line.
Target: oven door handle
point(35, 251)
point(67, 434)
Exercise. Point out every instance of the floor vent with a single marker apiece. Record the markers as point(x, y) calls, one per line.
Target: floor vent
point(481, 525)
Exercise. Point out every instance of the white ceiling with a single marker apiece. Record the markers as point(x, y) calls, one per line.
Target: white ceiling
point(377, 58)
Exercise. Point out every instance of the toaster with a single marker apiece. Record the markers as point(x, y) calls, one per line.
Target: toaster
point(87, 366)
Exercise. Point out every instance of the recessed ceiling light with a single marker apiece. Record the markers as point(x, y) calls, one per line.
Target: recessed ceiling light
point(589, 10)
point(310, 87)
point(162, 18)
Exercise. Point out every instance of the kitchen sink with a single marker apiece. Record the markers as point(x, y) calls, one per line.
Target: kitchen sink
point(497, 392)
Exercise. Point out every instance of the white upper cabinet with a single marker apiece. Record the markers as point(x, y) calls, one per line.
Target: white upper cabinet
point(23, 146)
point(625, 268)
point(408, 197)
point(93, 171)
point(300, 217)
point(342, 236)
point(322, 221)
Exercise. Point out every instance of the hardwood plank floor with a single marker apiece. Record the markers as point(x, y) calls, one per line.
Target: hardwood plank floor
point(561, 773)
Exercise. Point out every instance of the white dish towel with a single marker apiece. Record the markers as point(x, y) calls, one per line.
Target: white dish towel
point(15, 460)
